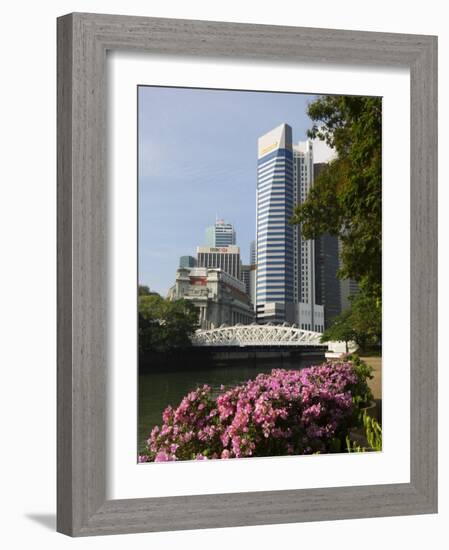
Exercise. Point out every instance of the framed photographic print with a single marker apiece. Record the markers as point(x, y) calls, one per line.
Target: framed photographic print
point(247, 274)
point(233, 315)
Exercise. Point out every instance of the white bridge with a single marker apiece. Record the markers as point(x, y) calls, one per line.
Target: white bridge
point(257, 335)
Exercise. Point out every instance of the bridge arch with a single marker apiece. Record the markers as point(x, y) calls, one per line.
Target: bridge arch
point(257, 335)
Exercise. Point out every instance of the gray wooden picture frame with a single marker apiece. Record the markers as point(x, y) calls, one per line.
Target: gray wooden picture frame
point(83, 40)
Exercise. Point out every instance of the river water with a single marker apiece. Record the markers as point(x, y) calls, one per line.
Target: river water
point(162, 388)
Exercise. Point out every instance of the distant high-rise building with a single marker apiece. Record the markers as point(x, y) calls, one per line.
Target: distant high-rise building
point(309, 314)
point(327, 284)
point(303, 251)
point(252, 272)
point(252, 252)
point(249, 280)
point(187, 261)
point(274, 242)
point(348, 287)
point(245, 273)
point(220, 234)
point(252, 284)
point(226, 258)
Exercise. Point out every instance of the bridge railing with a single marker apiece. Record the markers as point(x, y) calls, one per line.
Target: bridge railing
point(257, 335)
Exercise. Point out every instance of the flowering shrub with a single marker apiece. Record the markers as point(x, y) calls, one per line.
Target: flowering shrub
point(286, 412)
point(361, 392)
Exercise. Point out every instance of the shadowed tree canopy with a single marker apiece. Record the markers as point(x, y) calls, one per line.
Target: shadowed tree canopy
point(165, 325)
point(341, 329)
point(362, 322)
point(346, 198)
point(144, 290)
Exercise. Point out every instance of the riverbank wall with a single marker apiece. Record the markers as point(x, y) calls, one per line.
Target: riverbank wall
point(208, 358)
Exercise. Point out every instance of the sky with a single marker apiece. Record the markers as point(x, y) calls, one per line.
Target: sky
point(198, 162)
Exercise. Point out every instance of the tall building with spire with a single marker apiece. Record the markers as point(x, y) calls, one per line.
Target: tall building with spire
point(220, 234)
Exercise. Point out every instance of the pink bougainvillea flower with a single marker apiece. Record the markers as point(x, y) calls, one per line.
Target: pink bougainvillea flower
point(284, 412)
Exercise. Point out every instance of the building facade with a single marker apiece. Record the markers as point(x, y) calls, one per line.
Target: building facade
point(309, 317)
point(219, 297)
point(274, 235)
point(187, 261)
point(249, 280)
point(327, 284)
point(309, 314)
point(327, 263)
point(220, 234)
point(348, 287)
point(245, 274)
point(253, 284)
point(252, 252)
point(303, 251)
point(226, 258)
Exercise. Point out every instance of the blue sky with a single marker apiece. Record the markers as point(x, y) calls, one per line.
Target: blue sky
point(197, 160)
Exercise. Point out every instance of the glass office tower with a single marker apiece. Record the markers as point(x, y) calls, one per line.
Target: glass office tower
point(220, 234)
point(274, 243)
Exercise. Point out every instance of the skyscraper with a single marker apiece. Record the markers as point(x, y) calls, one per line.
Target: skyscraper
point(220, 234)
point(274, 243)
point(348, 287)
point(327, 284)
point(245, 274)
point(303, 251)
point(252, 272)
point(248, 274)
point(252, 252)
point(308, 313)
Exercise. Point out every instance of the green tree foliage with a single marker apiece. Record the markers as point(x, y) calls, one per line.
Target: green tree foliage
point(341, 329)
point(346, 198)
point(362, 323)
point(165, 325)
point(144, 290)
point(366, 320)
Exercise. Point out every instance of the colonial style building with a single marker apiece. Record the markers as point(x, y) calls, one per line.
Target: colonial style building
point(219, 297)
